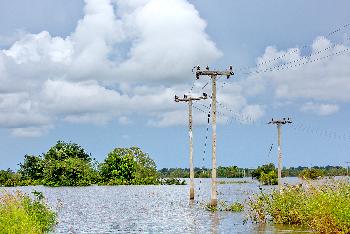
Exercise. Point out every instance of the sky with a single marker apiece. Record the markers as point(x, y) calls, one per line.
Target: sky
point(103, 74)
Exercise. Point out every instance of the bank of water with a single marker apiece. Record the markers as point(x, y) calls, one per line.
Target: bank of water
point(152, 209)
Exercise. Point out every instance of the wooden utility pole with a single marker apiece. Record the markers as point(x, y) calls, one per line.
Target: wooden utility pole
point(214, 76)
point(279, 123)
point(190, 100)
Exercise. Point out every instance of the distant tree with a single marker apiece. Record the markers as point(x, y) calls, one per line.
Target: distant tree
point(128, 166)
point(67, 164)
point(266, 174)
point(32, 168)
point(312, 173)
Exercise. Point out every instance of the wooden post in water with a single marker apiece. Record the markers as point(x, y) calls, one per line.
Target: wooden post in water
point(190, 133)
point(214, 76)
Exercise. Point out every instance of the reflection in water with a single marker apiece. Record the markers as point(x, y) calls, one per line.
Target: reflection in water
point(148, 209)
point(214, 217)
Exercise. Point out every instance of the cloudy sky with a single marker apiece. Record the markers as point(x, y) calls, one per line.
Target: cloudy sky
point(103, 74)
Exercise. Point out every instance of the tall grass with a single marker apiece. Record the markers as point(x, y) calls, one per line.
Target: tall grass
point(21, 214)
point(322, 207)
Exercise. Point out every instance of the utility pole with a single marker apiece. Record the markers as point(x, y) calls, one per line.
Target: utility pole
point(279, 124)
point(214, 76)
point(190, 100)
point(347, 168)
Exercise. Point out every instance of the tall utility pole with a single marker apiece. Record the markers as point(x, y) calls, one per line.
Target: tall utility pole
point(190, 100)
point(279, 123)
point(214, 76)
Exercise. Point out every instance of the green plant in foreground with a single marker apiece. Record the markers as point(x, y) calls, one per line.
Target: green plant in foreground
point(323, 208)
point(21, 214)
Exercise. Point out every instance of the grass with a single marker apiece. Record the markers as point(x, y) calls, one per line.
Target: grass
point(322, 207)
point(21, 214)
point(223, 206)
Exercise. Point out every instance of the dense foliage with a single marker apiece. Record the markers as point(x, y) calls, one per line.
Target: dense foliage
point(222, 172)
point(128, 166)
point(324, 208)
point(20, 214)
point(312, 173)
point(266, 174)
point(327, 171)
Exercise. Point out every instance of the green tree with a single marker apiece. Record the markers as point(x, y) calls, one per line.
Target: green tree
point(32, 168)
point(128, 166)
point(67, 164)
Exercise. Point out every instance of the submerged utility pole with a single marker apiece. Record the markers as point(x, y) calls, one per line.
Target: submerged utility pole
point(190, 100)
point(279, 123)
point(214, 76)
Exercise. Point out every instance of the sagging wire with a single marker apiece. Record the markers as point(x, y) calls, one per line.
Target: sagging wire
point(269, 61)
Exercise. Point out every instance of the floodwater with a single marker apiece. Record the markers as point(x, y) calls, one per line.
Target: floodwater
point(152, 209)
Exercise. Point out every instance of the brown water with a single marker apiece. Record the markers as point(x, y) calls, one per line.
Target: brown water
point(152, 209)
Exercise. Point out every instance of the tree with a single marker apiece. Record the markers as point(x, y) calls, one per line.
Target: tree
point(128, 166)
point(32, 168)
point(67, 164)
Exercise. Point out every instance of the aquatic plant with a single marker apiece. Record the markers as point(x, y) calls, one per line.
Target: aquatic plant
point(324, 208)
point(311, 173)
point(21, 214)
point(266, 174)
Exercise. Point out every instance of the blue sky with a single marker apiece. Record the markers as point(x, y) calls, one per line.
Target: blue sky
point(102, 73)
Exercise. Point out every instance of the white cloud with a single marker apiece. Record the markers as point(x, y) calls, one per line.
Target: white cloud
point(320, 109)
point(322, 77)
point(124, 58)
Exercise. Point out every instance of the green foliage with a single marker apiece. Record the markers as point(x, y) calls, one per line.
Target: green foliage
point(312, 173)
point(9, 178)
point(67, 164)
point(235, 207)
point(266, 174)
point(32, 168)
point(222, 172)
point(62, 151)
point(20, 214)
point(128, 166)
point(324, 208)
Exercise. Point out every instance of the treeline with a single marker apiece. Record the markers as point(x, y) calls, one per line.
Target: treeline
point(68, 164)
point(237, 172)
point(222, 172)
point(326, 171)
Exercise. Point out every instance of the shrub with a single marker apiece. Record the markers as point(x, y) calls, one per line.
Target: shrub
point(324, 208)
point(312, 173)
point(266, 174)
point(20, 214)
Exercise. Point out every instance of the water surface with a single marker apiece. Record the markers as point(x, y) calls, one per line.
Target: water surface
point(152, 209)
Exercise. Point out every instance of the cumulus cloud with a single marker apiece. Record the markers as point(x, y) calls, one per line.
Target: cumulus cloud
point(123, 57)
point(320, 109)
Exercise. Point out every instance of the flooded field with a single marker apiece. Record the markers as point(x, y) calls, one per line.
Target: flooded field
point(152, 209)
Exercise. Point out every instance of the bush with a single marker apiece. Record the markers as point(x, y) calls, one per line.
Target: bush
point(20, 214)
point(324, 208)
point(128, 166)
point(312, 174)
point(9, 178)
point(266, 174)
